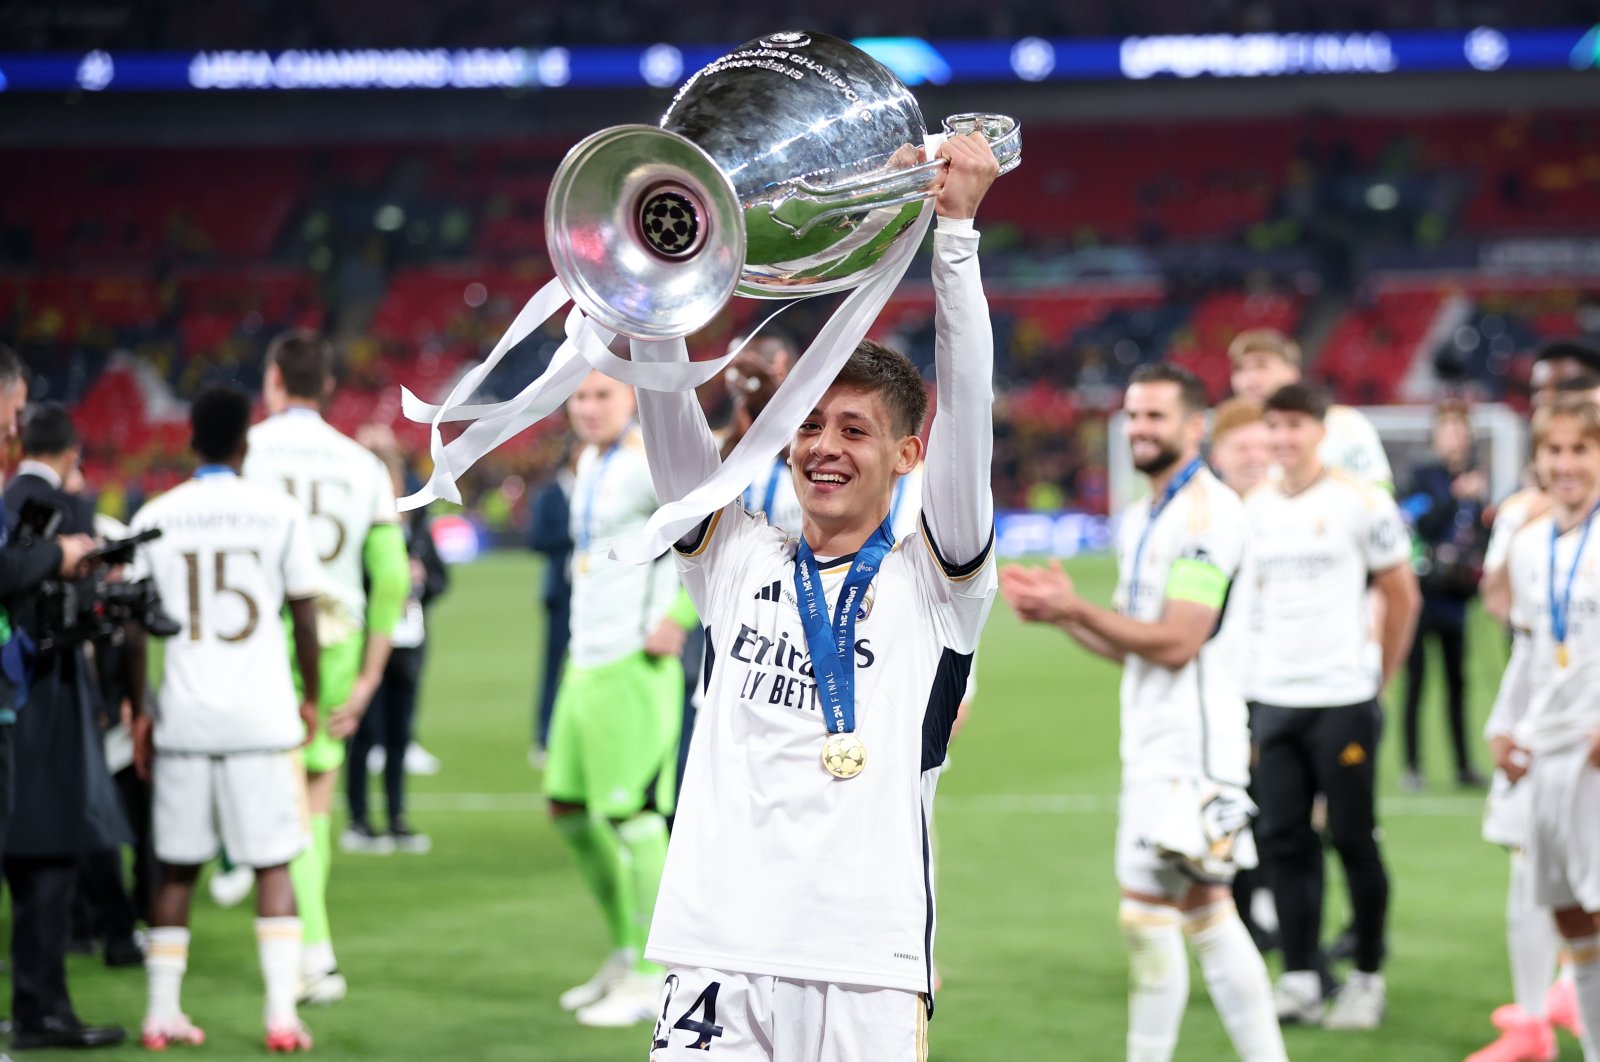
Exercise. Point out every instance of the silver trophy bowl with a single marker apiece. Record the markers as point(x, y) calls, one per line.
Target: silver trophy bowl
point(788, 167)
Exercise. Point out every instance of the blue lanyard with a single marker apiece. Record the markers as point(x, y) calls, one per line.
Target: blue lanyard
point(1157, 507)
point(780, 467)
point(833, 650)
point(208, 471)
point(1561, 611)
point(591, 489)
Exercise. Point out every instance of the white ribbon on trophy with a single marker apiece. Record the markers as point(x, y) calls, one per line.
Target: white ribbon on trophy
point(652, 229)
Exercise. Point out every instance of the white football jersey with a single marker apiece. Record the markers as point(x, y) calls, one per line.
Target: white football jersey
point(1190, 722)
point(1510, 517)
point(1352, 444)
point(230, 553)
point(1563, 703)
point(614, 605)
point(343, 488)
point(776, 867)
point(1310, 555)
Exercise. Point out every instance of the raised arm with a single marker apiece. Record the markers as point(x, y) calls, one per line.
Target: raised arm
point(677, 440)
point(957, 505)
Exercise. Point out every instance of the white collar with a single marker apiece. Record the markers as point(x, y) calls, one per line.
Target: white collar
point(30, 467)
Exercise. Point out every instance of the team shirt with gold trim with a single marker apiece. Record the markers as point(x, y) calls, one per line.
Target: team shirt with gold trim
point(776, 867)
point(1310, 556)
point(1563, 707)
point(343, 488)
point(1190, 722)
point(230, 553)
point(614, 605)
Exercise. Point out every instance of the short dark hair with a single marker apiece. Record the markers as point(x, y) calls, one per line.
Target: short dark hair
point(305, 360)
point(889, 374)
point(1586, 381)
point(1191, 389)
point(47, 430)
point(11, 367)
point(1581, 351)
point(1298, 398)
point(219, 418)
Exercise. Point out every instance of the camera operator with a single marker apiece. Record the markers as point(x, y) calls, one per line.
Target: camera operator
point(65, 803)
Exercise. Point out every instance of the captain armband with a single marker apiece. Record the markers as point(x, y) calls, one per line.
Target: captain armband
point(1198, 581)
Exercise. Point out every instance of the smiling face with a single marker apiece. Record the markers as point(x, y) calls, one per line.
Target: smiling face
point(1161, 431)
point(1295, 437)
point(1567, 459)
point(1258, 373)
point(846, 456)
point(600, 409)
point(1243, 456)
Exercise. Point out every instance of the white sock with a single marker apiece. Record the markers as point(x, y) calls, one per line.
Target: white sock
point(1531, 939)
point(278, 945)
point(1158, 979)
point(317, 959)
point(166, 959)
point(1237, 979)
point(1586, 976)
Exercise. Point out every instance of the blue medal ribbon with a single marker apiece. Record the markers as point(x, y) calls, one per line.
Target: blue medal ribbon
point(832, 646)
point(1561, 610)
point(1157, 506)
point(207, 471)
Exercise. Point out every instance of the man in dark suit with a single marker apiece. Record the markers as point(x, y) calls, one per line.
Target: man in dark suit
point(550, 533)
point(66, 804)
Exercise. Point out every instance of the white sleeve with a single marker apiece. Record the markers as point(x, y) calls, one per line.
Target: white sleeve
point(677, 440)
point(385, 510)
point(1385, 541)
point(302, 569)
point(957, 505)
point(1508, 520)
point(1511, 703)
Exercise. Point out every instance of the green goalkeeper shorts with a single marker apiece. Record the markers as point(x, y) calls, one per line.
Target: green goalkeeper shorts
point(614, 736)
point(339, 667)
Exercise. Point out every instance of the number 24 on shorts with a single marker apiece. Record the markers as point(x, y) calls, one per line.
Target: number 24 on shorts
point(706, 1029)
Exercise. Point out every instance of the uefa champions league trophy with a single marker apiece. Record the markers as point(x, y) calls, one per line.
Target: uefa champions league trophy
point(787, 168)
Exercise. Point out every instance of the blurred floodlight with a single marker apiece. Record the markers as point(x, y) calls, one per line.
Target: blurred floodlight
point(389, 218)
point(1487, 49)
point(661, 65)
point(554, 67)
point(1383, 196)
point(96, 71)
point(1033, 58)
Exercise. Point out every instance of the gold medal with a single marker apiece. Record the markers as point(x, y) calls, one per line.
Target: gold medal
point(1562, 659)
point(843, 755)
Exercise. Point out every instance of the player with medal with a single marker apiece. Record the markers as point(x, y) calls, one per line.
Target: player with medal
point(1546, 727)
point(796, 912)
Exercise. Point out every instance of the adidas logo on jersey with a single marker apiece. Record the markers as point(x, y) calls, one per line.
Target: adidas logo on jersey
point(773, 591)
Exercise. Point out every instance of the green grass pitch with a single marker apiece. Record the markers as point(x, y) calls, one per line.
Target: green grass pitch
point(461, 953)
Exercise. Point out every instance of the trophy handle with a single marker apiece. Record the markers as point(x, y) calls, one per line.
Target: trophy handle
point(900, 187)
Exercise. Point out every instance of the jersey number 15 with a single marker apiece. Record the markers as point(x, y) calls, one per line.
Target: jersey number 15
point(219, 586)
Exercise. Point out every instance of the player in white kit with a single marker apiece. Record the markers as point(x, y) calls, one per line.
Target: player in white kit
point(1554, 744)
point(614, 734)
point(222, 749)
point(1317, 536)
point(1183, 820)
point(348, 497)
point(796, 913)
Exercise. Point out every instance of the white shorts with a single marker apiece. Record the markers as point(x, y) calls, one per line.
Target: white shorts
point(1506, 811)
point(254, 803)
point(1564, 838)
point(733, 1017)
point(1159, 818)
